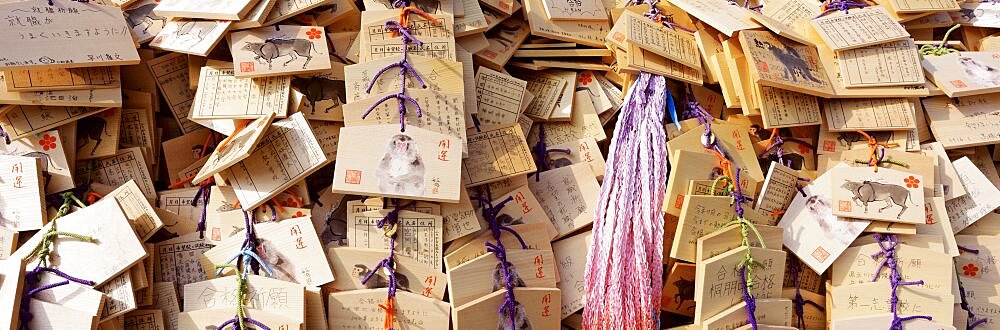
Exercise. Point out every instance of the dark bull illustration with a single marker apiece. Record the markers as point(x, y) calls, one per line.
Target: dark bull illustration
point(319, 89)
point(90, 129)
point(272, 49)
point(869, 191)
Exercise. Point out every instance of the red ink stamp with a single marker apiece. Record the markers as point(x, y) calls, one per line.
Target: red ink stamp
point(352, 177)
point(820, 254)
point(679, 201)
point(830, 146)
point(958, 84)
point(246, 67)
point(216, 234)
point(762, 67)
point(844, 206)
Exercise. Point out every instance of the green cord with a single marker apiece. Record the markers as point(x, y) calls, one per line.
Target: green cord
point(884, 161)
point(44, 247)
point(745, 228)
point(941, 49)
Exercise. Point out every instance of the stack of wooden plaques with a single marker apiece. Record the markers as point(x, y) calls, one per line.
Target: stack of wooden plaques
point(867, 131)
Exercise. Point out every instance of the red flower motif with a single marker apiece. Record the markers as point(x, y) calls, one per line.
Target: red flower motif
point(912, 182)
point(970, 270)
point(299, 214)
point(585, 78)
point(314, 33)
point(48, 142)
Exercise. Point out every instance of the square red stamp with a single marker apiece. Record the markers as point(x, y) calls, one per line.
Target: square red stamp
point(958, 84)
point(844, 206)
point(830, 146)
point(352, 177)
point(246, 67)
point(216, 234)
point(820, 254)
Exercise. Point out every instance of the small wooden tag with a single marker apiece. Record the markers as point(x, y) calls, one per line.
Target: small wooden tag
point(190, 36)
point(115, 242)
point(222, 10)
point(223, 96)
point(11, 281)
point(351, 265)
point(358, 309)
point(962, 74)
point(263, 293)
point(718, 14)
point(774, 61)
point(424, 228)
point(887, 195)
point(484, 275)
point(151, 319)
point(495, 155)
point(678, 290)
point(115, 171)
point(717, 284)
point(770, 313)
point(566, 195)
point(535, 307)
point(97, 136)
point(253, 55)
point(22, 206)
point(171, 76)
point(499, 97)
point(290, 247)
point(142, 21)
point(869, 298)
point(883, 320)
point(728, 238)
point(239, 147)
point(571, 261)
point(858, 28)
point(178, 262)
point(55, 79)
point(415, 164)
point(534, 237)
point(503, 42)
point(101, 39)
point(137, 209)
point(207, 318)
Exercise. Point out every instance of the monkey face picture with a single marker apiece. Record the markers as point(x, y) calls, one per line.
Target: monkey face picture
point(283, 270)
point(521, 321)
point(401, 170)
point(378, 280)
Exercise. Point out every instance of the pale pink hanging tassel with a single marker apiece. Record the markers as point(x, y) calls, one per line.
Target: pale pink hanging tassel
point(624, 266)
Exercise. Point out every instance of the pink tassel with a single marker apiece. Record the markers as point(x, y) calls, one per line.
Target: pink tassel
point(624, 266)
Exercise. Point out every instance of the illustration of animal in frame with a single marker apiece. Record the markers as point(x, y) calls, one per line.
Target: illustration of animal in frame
point(795, 66)
point(870, 191)
point(143, 16)
point(318, 89)
point(273, 48)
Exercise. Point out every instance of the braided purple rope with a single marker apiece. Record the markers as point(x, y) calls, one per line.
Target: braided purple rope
point(842, 5)
point(389, 222)
point(203, 191)
point(234, 321)
point(798, 303)
point(249, 243)
point(3, 133)
point(888, 244)
point(541, 152)
point(31, 278)
point(490, 212)
point(404, 68)
point(654, 14)
point(748, 299)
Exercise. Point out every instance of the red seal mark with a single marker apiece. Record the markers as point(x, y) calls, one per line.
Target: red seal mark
point(830, 146)
point(352, 177)
point(844, 206)
point(820, 254)
point(958, 84)
point(246, 67)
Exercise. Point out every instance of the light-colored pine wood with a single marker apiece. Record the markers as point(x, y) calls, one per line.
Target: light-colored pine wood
point(279, 50)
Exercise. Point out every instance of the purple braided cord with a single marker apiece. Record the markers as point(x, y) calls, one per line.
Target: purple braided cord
point(654, 14)
point(235, 322)
point(541, 152)
point(490, 212)
point(3, 133)
point(249, 243)
point(31, 279)
point(799, 303)
point(203, 191)
point(843, 5)
point(404, 68)
point(748, 299)
point(389, 221)
point(888, 244)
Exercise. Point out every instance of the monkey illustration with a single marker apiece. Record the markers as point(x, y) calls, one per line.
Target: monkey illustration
point(521, 321)
point(401, 170)
point(278, 262)
point(498, 280)
point(507, 220)
point(379, 280)
point(980, 72)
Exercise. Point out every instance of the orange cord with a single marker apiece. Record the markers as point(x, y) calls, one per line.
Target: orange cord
point(390, 312)
point(93, 197)
point(201, 155)
point(240, 125)
point(725, 164)
point(404, 16)
point(873, 148)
